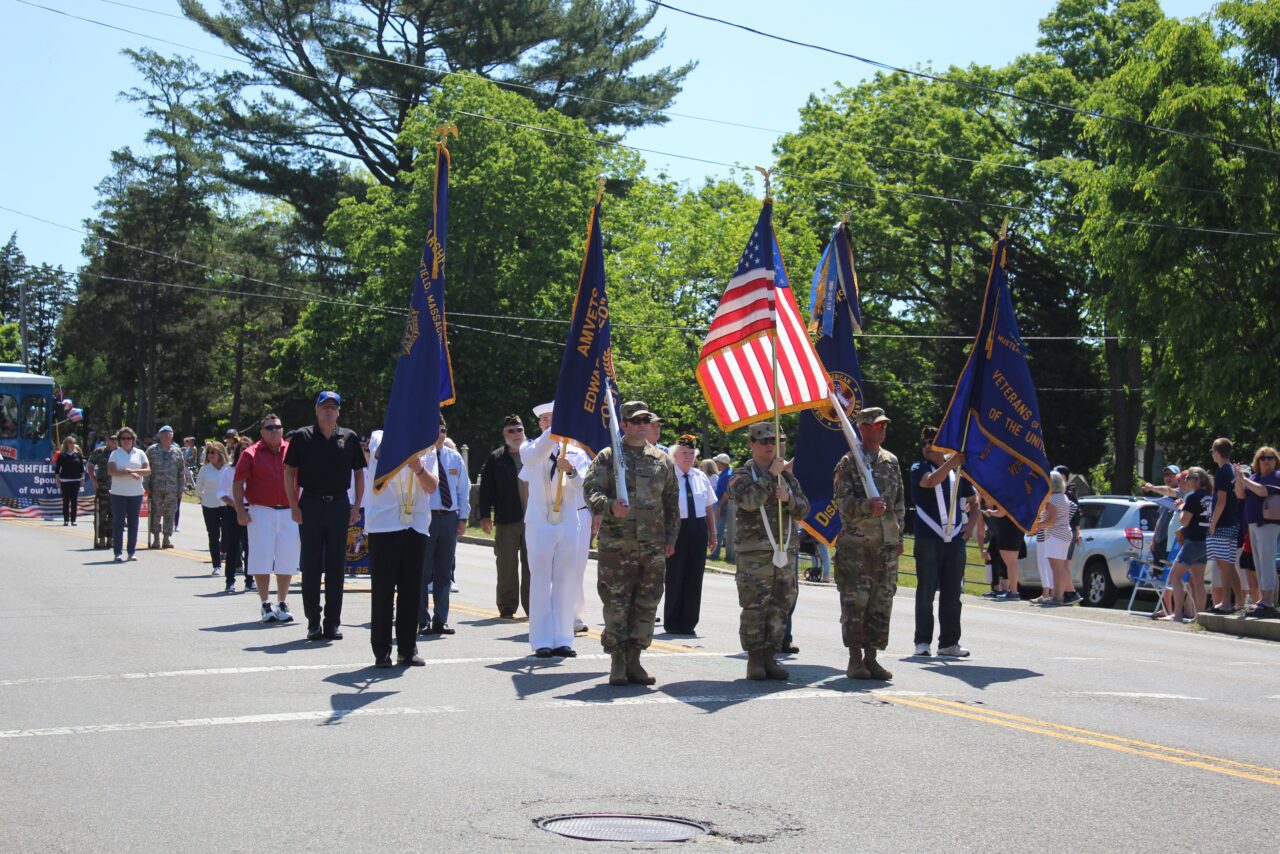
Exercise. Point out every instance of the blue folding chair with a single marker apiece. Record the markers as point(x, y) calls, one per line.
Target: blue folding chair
point(1145, 576)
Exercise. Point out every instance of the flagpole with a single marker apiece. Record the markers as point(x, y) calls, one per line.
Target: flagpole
point(773, 347)
point(850, 434)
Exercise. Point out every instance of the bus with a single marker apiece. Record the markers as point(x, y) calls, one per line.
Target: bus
point(26, 414)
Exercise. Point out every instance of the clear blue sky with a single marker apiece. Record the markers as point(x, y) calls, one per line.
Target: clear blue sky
point(64, 117)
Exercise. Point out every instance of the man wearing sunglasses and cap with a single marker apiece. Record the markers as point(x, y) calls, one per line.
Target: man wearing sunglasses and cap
point(867, 551)
point(770, 504)
point(636, 538)
point(320, 459)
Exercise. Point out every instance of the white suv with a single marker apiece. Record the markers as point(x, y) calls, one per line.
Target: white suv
point(1109, 525)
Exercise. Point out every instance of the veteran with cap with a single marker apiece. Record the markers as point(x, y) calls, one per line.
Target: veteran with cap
point(501, 511)
point(770, 504)
point(164, 487)
point(866, 565)
point(683, 604)
point(553, 472)
point(320, 459)
point(636, 537)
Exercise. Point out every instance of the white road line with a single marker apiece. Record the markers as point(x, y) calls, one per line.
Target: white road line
point(334, 715)
point(1137, 694)
point(282, 668)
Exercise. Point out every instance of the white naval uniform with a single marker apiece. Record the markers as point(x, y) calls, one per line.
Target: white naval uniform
point(557, 559)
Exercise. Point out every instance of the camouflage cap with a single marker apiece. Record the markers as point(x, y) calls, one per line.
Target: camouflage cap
point(872, 415)
point(633, 408)
point(763, 430)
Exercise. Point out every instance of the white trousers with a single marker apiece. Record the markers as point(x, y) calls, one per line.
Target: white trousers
point(273, 541)
point(580, 563)
point(1042, 564)
point(552, 571)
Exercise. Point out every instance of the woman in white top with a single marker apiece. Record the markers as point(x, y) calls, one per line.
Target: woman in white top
point(127, 466)
point(397, 522)
point(1053, 536)
point(211, 505)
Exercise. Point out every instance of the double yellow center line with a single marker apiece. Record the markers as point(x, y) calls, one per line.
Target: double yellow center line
point(1146, 749)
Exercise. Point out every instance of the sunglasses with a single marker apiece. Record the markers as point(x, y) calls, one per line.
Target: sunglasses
point(766, 441)
point(126, 438)
point(444, 430)
point(1267, 457)
point(273, 427)
point(643, 419)
point(514, 430)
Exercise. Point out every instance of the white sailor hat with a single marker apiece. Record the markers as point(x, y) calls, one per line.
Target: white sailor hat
point(543, 409)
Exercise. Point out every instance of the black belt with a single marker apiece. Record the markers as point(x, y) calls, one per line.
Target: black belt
point(442, 512)
point(324, 497)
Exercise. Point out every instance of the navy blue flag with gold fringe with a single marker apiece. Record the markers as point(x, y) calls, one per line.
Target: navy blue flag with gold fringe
point(994, 417)
point(423, 379)
point(581, 411)
point(820, 442)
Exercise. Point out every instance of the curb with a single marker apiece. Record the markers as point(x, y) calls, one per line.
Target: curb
point(1241, 628)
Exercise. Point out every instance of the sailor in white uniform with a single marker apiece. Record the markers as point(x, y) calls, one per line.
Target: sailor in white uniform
point(557, 558)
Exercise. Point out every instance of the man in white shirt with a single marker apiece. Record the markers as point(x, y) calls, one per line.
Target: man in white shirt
point(556, 558)
point(450, 506)
point(697, 536)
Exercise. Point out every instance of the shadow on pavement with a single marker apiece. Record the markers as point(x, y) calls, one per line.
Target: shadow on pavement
point(106, 562)
point(605, 693)
point(980, 675)
point(491, 621)
point(524, 638)
point(531, 675)
point(287, 646)
point(247, 626)
point(362, 680)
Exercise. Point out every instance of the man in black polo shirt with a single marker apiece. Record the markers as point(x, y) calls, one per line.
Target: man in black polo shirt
point(500, 496)
point(320, 459)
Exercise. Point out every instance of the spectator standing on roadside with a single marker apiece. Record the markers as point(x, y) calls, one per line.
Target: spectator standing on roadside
point(724, 512)
point(1053, 541)
point(500, 497)
point(940, 545)
point(1073, 503)
point(207, 483)
point(263, 507)
point(128, 468)
point(1192, 535)
point(68, 468)
point(1010, 548)
point(1169, 490)
point(235, 539)
point(1260, 490)
point(321, 459)
point(1221, 548)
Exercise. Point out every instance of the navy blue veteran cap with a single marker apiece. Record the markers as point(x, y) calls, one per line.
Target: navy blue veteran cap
point(327, 396)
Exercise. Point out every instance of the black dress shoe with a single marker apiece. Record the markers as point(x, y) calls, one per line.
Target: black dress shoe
point(411, 661)
point(789, 649)
point(383, 662)
point(507, 615)
point(565, 652)
point(442, 629)
point(543, 652)
point(315, 634)
point(333, 634)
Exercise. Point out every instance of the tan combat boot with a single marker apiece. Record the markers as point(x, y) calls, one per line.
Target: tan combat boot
point(755, 665)
point(636, 674)
point(772, 668)
point(618, 668)
point(873, 667)
point(856, 669)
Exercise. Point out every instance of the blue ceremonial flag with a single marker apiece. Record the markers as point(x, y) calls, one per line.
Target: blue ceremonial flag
point(993, 417)
point(581, 411)
point(820, 442)
point(423, 379)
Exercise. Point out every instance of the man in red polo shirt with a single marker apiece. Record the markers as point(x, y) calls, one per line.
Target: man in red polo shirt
point(273, 535)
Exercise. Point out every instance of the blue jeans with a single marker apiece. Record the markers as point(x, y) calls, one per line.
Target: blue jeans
point(437, 568)
point(123, 506)
point(940, 572)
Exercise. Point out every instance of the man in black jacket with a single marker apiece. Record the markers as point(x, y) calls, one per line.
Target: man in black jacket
point(501, 499)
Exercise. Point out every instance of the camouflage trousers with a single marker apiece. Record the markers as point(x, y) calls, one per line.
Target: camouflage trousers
point(162, 507)
point(866, 575)
point(629, 578)
point(766, 594)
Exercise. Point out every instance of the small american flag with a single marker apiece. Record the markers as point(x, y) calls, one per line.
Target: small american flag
point(735, 369)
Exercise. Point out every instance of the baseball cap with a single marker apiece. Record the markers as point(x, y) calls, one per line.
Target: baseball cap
point(763, 430)
point(165, 429)
point(872, 415)
point(1172, 469)
point(634, 408)
point(722, 458)
point(328, 395)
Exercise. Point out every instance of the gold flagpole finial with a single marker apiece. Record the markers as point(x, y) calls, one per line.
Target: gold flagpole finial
point(443, 132)
point(599, 189)
point(768, 184)
point(844, 217)
point(1004, 229)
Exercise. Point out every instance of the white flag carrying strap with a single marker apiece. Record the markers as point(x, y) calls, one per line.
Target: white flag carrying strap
point(778, 553)
point(961, 521)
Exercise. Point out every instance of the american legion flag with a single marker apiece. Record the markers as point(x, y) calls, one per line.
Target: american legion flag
point(735, 368)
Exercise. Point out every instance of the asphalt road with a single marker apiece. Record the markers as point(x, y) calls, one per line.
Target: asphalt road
point(142, 709)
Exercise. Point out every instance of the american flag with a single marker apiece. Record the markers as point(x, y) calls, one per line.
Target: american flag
point(20, 508)
point(735, 368)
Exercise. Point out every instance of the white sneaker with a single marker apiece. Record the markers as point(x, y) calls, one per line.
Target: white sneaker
point(579, 627)
point(453, 588)
point(953, 651)
point(923, 650)
point(268, 615)
point(282, 613)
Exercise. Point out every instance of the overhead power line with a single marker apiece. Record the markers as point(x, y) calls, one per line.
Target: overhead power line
point(990, 90)
point(706, 161)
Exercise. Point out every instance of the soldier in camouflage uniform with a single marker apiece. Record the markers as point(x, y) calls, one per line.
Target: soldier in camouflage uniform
point(866, 566)
point(636, 538)
point(100, 477)
point(766, 592)
point(164, 486)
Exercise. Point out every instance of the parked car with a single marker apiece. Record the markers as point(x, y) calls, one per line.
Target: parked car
point(1109, 526)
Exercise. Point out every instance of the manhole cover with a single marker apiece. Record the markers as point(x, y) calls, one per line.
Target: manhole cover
point(623, 828)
